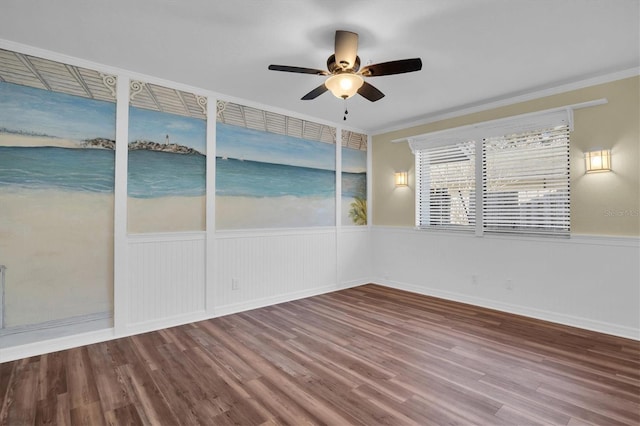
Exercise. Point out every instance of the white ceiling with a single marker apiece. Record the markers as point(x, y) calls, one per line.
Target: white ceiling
point(473, 51)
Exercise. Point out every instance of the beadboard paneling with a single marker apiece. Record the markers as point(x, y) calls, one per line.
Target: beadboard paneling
point(166, 277)
point(354, 256)
point(268, 264)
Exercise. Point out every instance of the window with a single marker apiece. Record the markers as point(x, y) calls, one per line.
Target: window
point(517, 183)
point(446, 187)
point(525, 182)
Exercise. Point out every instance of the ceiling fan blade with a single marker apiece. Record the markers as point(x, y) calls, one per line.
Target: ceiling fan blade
point(346, 49)
point(315, 92)
point(299, 70)
point(393, 67)
point(369, 92)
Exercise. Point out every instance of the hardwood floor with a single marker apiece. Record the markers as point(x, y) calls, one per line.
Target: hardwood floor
point(368, 355)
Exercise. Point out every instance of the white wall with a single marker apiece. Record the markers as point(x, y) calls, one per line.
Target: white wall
point(588, 282)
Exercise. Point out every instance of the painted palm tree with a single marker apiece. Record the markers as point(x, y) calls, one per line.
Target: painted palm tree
point(358, 211)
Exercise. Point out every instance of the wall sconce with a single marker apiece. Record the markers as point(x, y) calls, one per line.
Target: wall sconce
point(401, 179)
point(598, 161)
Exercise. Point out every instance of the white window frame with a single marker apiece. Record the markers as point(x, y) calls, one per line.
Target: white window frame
point(496, 128)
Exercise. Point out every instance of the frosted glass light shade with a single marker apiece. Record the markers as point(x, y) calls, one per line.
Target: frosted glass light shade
point(344, 85)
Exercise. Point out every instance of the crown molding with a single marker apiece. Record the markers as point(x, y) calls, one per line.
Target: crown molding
point(510, 100)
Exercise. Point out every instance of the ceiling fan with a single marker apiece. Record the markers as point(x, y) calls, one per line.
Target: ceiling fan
point(346, 78)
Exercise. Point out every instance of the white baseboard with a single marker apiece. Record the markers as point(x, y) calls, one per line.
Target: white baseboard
point(558, 318)
point(101, 317)
point(234, 308)
point(27, 340)
point(159, 324)
point(54, 345)
point(354, 283)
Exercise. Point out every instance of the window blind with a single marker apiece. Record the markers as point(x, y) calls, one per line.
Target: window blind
point(521, 169)
point(525, 182)
point(445, 187)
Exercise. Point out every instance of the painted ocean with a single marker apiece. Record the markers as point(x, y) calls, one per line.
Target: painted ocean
point(69, 169)
point(354, 185)
point(256, 179)
point(155, 174)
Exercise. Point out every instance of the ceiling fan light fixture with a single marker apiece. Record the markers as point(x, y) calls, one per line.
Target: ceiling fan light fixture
point(345, 78)
point(344, 85)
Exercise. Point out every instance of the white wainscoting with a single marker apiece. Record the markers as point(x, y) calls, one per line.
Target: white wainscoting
point(590, 282)
point(354, 256)
point(166, 277)
point(272, 266)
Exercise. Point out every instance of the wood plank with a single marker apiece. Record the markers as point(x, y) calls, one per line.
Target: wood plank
point(88, 414)
point(22, 399)
point(81, 383)
point(112, 391)
point(63, 410)
point(123, 416)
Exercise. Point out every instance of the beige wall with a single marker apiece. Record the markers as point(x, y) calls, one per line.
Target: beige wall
point(601, 203)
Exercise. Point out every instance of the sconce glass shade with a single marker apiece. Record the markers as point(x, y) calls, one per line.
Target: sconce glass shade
point(401, 179)
point(598, 161)
point(344, 85)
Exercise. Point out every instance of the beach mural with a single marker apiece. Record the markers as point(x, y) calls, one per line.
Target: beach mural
point(272, 171)
point(57, 131)
point(354, 178)
point(167, 163)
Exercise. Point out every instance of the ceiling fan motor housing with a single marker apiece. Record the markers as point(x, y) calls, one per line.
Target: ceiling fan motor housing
point(344, 66)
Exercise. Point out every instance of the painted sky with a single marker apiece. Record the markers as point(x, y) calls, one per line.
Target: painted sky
point(154, 126)
point(256, 145)
point(55, 114)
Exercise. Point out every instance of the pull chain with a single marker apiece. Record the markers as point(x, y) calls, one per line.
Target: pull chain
point(345, 110)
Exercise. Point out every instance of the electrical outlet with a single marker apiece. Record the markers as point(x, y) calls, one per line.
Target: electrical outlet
point(474, 279)
point(509, 285)
point(235, 284)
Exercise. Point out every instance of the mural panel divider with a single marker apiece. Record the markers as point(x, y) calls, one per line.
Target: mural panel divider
point(369, 181)
point(210, 244)
point(120, 298)
point(338, 211)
